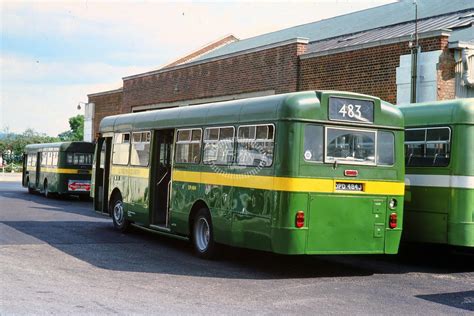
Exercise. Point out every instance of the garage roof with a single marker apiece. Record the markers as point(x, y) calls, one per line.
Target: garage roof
point(374, 18)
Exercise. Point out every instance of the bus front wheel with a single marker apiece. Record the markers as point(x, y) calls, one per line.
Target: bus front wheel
point(203, 235)
point(118, 215)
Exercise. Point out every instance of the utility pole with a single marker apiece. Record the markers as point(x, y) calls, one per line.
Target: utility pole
point(415, 50)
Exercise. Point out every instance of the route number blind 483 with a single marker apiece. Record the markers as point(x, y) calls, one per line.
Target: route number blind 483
point(354, 110)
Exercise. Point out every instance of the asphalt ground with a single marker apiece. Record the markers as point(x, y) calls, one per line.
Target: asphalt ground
point(59, 257)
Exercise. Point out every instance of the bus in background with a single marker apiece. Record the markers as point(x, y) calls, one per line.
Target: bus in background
point(58, 168)
point(439, 157)
point(315, 172)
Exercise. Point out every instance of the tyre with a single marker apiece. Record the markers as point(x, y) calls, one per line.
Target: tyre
point(203, 235)
point(30, 189)
point(118, 215)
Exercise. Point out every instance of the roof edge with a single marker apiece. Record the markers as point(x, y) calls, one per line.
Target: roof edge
point(302, 40)
point(405, 38)
point(461, 45)
point(104, 92)
point(230, 38)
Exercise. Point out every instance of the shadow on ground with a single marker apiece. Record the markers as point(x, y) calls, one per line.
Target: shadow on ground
point(96, 242)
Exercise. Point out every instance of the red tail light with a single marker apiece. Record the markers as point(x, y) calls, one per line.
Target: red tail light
point(392, 223)
point(299, 219)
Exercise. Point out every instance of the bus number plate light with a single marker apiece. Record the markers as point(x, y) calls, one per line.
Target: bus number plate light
point(351, 173)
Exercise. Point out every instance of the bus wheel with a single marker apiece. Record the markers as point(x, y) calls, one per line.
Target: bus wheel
point(118, 215)
point(30, 189)
point(47, 194)
point(203, 235)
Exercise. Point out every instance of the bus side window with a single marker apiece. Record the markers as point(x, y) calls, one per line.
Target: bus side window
point(188, 146)
point(55, 159)
point(427, 147)
point(44, 158)
point(219, 145)
point(255, 145)
point(50, 159)
point(121, 149)
point(140, 151)
point(313, 143)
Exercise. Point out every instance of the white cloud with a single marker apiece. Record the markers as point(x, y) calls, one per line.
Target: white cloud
point(110, 38)
point(43, 96)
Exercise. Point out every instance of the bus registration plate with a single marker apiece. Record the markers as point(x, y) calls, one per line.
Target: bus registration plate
point(79, 185)
point(345, 186)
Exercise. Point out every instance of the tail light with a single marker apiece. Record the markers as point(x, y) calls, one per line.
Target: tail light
point(299, 222)
point(392, 222)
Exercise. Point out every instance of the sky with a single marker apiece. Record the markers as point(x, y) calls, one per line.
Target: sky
point(54, 53)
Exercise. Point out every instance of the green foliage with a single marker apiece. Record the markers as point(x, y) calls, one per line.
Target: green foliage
point(12, 145)
point(76, 132)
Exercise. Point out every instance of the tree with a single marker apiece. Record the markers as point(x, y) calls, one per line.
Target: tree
point(14, 144)
point(76, 132)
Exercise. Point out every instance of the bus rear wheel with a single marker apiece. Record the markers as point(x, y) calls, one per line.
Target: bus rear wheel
point(203, 235)
point(118, 215)
point(30, 189)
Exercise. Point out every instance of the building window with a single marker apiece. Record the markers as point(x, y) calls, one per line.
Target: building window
point(219, 145)
point(255, 145)
point(188, 146)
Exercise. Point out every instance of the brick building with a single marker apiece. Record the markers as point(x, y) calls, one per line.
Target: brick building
point(366, 52)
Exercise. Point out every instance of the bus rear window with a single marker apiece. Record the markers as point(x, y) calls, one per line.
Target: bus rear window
point(350, 146)
point(79, 159)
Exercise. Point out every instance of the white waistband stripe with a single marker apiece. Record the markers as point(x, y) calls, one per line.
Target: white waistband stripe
point(423, 180)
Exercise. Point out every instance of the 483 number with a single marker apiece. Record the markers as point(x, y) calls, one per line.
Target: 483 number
point(351, 110)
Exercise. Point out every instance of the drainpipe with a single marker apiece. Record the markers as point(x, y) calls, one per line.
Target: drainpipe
point(415, 51)
point(468, 81)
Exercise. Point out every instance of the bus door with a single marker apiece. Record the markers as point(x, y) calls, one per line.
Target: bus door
point(38, 169)
point(102, 173)
point(25, 172)
point(161, 176)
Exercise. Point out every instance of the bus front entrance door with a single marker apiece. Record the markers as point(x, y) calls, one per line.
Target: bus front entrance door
point(102, 173)
point(161, 176)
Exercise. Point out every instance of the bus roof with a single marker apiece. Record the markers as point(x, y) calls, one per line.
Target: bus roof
point(458, 111)
point(63, 146)
point(305, 105)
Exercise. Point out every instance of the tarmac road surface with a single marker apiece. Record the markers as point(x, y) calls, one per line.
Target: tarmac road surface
point(58, 257)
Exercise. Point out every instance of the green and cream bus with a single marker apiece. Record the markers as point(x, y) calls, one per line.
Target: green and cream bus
point(315, 172)
point(58, 168)
point(439, 155)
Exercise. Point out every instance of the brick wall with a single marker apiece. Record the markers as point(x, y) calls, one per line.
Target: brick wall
point(370, 71)
point(446, 72)
point(274, 68)
point(106, 103)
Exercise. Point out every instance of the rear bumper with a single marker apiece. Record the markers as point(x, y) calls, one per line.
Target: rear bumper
point(293, 241)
